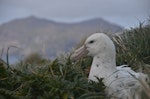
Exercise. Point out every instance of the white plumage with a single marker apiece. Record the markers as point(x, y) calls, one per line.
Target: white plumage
point(121, 82)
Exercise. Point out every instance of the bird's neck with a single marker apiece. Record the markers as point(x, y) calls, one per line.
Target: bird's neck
point(102, 66)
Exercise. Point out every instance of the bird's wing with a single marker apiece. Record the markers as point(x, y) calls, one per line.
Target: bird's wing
point(137, 75)
point(125, 83)
point(125, 68)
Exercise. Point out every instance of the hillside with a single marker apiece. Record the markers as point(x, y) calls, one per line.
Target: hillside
point(34, 34)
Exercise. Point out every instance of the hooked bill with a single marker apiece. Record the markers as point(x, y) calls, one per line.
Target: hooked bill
point(79, 53)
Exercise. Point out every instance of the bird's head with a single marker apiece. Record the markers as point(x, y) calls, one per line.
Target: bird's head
point(95, 44)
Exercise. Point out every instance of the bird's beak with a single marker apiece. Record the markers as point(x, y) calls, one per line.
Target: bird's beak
point(79, 53)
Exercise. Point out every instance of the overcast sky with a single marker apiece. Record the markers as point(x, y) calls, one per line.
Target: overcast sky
point(126, 13)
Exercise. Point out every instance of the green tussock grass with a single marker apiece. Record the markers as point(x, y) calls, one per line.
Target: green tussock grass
point(133, 48)
point(58, 79)
point(39, 78)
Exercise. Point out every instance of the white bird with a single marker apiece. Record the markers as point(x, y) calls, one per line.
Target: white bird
point(121, 82)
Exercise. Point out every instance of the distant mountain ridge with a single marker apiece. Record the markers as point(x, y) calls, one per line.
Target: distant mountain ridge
point(33, 34)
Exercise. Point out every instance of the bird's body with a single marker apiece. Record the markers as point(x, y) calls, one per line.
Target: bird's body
point(124, 84)
point(121, 82)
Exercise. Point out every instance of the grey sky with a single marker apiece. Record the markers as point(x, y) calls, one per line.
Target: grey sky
point(126, 13)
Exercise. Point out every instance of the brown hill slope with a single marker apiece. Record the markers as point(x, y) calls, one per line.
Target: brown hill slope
point(34, 34)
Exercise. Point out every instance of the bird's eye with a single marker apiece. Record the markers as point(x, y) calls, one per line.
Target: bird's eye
point(90, 42)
